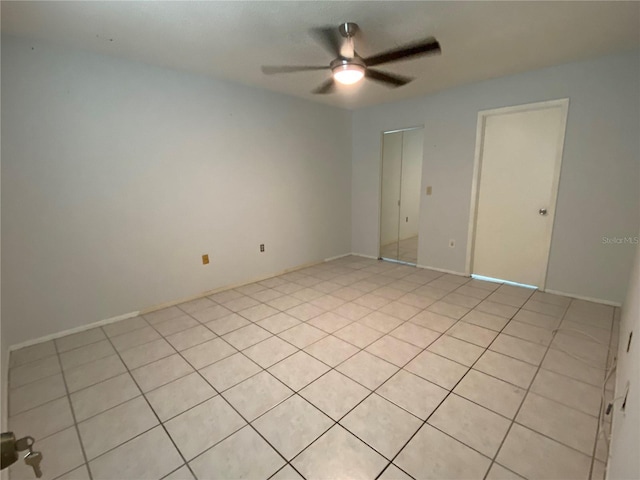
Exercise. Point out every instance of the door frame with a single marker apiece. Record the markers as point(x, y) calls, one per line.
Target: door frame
point(563, 104)
point(380, 171)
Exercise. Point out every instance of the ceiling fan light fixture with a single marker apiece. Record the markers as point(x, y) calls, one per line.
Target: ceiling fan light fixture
point(348, 73)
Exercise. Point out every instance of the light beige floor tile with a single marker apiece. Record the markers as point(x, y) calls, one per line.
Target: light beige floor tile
point(207, 353)
point(532, 455)
point(183, 473)
point(551, 298)
point(471, 424)
point(331, 350)
point(381, 322)
point(329, 322)
point(473, 291)
point(61, 453)
point(302, 335)
point(271, 293)
point(246, 336)
point(472, 333)
point(196, 305)
point(270, 351)
point(338, 454)
point(211, 313)
point(305, 311)
point(230, 371)
point(498, 472)
point(439, 370)
point(229, 458)
point(490, 392)
point(358, 334)
point(203, 426)
point(35, 394)
point(347, 294)
point(42, 421)
point(175, 325)
point(505, 299)
point(448, 309)
point(256, 395)
point(447, 458)
point(284, 302)
point(570, 392)
point(484, 284)
point(133, 339)
point(400, 310)
point(149, 456)
point(176, 397)
point(103, 396)
point(433, 321)
point(517, 348)
point(506, 368)
point(590, 352)
point(372, 301)
point(30, 372)
point(560, 362)
point(367, 369)
point(80, 473)
point(539, 335)
point(227, 295)
point(521, 292)
point(292, 426)
point(241, 303)
point(80, 339)
point(394, 473)
point(86, 354)
point(536, 319)
point(565, 425)
point(32, 353)
point(148, 353)
point(456, 350)
point(393, 350)
point(419, 301)
point(415, 334)
point(413, 393)
point(190, 337)
point(352, 311)
point(334, 394)
point(227, 324)
point(387, 292)
point(457, 298)
point(257, 313)
point(114, 427)
point(288, 473)
point(161, 372)
point(486, 320)
point(163, 314)
point(496, 308)
point(278, 322)
point(381, 424)
point(94, 372)
point(298, 370)
point(545, 308)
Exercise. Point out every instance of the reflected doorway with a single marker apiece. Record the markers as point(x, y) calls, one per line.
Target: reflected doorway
point(400, 194)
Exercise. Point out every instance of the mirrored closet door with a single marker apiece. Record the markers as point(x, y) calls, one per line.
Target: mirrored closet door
point(400, 199)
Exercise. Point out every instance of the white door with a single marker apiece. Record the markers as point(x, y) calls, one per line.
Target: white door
point(518, 169)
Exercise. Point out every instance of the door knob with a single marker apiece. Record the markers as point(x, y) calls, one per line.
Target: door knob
point(542, 211)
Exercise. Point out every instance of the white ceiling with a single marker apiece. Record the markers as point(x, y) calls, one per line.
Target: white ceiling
point(232, 39)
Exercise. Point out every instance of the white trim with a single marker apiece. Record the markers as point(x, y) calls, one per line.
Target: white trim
point(582, 297)
point(337, 257)
point(444, 270)
point(563, 104)
point(70, 331)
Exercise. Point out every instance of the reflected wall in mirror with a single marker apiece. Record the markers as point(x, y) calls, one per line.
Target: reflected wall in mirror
point(400, 195)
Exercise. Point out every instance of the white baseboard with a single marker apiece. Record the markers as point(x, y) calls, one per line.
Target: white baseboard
point(588, 299)
point(73, 330)
point(444, 270)
point(337, 257)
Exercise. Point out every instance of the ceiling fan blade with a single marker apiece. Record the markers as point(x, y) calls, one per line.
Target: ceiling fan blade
point(329, 38)
point(273, 69)
point(389, 79)
point(428, 46)
point(327, 87)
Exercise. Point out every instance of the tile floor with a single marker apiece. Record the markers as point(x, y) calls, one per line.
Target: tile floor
point(349, 369)
point(404, 250)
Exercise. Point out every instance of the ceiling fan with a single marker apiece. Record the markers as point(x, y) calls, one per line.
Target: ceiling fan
point(348, 67)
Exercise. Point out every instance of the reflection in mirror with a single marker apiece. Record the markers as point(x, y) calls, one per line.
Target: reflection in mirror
point(400, 196)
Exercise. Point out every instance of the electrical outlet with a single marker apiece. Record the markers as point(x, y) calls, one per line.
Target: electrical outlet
point(452, 243)
point(205, 259)
point(262, 247)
